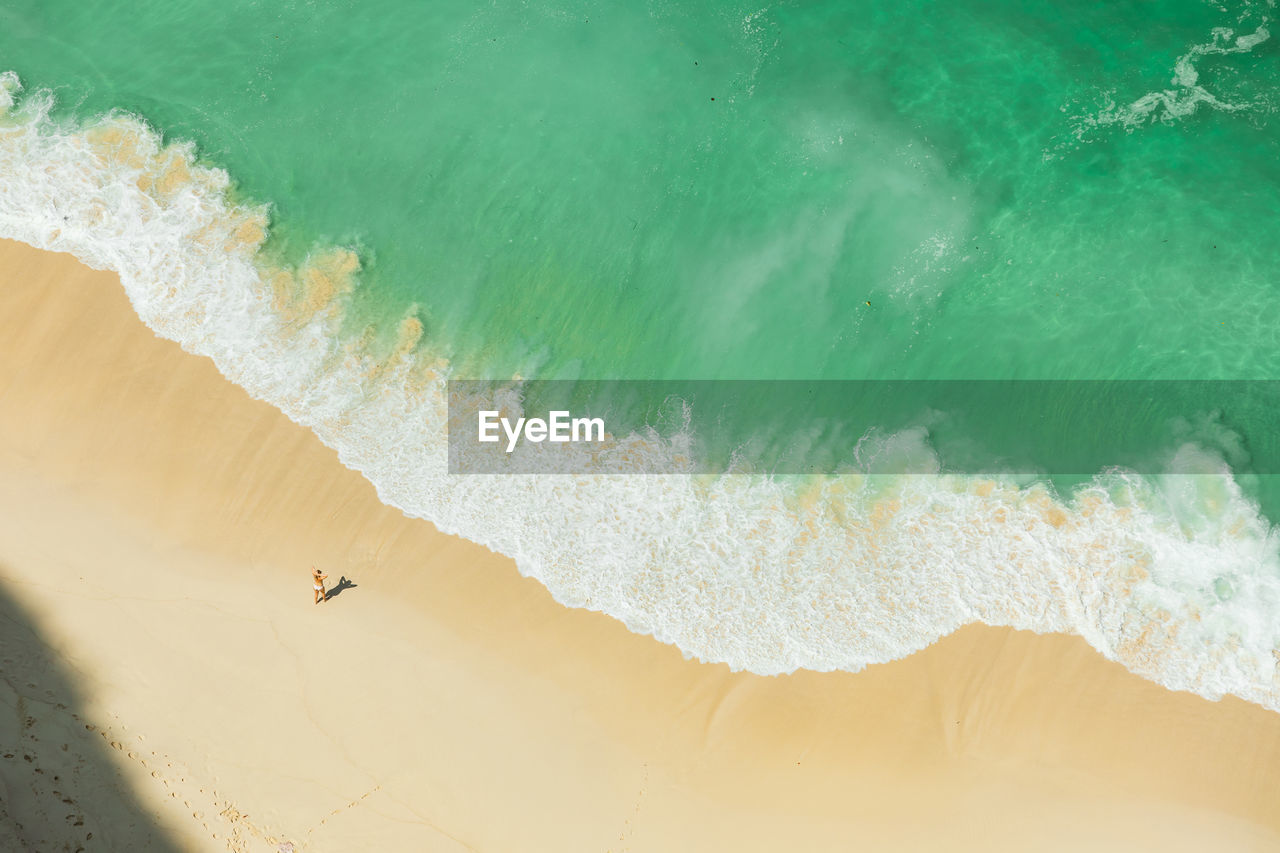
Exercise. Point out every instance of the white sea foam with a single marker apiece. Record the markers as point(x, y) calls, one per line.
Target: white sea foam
point(1186, 93)
point(1177, 577)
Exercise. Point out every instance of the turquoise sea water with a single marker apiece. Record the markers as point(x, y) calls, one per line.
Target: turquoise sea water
point(713, 190)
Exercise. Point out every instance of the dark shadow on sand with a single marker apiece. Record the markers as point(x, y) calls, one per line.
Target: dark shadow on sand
point(60, 788)
point(343, 583)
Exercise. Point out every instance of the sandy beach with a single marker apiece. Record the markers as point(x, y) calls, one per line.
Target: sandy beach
point(168, 684)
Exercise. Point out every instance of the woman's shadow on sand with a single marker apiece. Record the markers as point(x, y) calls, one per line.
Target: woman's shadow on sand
point(342, 584)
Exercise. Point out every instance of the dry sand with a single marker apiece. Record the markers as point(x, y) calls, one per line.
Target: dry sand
point(166, 679)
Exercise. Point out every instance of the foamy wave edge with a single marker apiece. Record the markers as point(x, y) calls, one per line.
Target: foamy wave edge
point(1177, 578)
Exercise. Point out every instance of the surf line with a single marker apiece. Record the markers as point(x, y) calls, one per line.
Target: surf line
point(559, 427)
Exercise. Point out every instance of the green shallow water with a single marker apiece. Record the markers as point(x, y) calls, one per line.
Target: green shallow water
point(697, 190)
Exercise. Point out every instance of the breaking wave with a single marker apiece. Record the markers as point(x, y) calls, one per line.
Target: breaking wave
point(1176, 576)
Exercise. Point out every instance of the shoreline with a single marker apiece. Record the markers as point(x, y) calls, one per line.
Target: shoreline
point(158, 531)
point(749, 571)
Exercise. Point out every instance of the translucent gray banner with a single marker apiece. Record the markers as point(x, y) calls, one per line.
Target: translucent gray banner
point(1055, 428)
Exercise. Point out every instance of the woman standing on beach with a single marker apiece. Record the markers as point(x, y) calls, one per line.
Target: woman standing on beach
point(317, 581)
